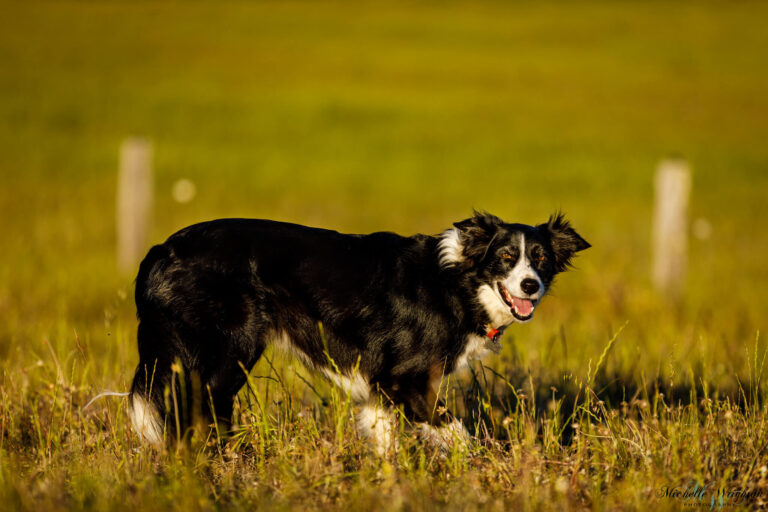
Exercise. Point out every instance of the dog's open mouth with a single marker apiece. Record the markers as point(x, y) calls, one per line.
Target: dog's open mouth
point(522, 309)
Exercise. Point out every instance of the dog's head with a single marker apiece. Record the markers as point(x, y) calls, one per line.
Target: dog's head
point(512, 265)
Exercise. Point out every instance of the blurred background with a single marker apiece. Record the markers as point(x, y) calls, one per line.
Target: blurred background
point(402, 116)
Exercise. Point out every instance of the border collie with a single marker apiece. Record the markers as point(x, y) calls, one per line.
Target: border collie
point(383, 316)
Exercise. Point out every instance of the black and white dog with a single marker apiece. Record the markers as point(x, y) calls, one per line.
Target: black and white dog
point(383, 316)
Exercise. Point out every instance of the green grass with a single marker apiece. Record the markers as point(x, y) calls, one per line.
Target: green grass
point(400, 116)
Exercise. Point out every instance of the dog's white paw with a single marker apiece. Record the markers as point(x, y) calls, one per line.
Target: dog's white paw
point(447, 436)
point(379, 425)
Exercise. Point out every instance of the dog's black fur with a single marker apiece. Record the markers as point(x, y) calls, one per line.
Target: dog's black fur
point(395, 309)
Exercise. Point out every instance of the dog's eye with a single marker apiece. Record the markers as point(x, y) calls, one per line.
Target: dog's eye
point(506, 256)
point(542, 259)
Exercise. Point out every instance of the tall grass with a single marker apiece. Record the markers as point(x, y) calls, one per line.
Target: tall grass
point(403, 116)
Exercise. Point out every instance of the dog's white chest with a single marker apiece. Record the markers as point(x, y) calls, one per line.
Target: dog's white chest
point(477, 348)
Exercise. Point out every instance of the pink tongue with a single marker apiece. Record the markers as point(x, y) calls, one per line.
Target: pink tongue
point(522, 306)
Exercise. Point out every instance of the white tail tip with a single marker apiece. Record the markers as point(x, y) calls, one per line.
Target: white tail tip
point(146, 420)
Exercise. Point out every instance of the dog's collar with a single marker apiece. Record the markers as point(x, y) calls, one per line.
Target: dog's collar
point(493, 334)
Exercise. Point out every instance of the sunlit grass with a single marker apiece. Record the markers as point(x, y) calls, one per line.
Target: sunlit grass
point(404, 116)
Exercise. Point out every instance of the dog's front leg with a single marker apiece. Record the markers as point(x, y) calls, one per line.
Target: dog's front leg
point(435, 423)
point(378, 424)
point(446, 435)
point(443, 429)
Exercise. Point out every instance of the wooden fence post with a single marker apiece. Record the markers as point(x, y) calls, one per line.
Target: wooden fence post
point(670, 226)
point(134, 202)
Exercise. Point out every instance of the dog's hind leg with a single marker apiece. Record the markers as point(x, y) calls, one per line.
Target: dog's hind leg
point(169, 396)
point(222, 383)
point(199, 332)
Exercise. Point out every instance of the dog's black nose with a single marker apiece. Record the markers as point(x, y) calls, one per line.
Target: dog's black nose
point(529, 286)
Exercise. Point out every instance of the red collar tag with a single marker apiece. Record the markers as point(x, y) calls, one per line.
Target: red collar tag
point(493, 334)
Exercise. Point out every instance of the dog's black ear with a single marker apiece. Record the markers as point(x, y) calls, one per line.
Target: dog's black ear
point(564, 239)
point(476, 234)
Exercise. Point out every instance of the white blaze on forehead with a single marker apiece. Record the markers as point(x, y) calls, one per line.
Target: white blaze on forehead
point(489, 296)
point(522, 270)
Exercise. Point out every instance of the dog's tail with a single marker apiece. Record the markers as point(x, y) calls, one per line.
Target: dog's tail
point(144, 416)
point(145, 419)
point(145, 400)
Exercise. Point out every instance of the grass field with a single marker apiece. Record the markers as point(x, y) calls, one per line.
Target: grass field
point(395, 116)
